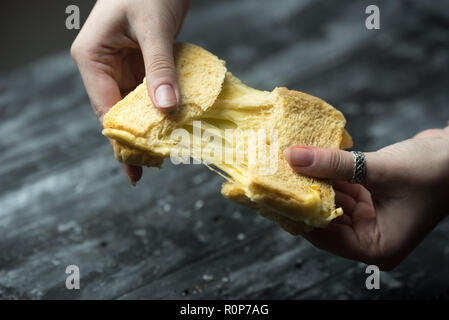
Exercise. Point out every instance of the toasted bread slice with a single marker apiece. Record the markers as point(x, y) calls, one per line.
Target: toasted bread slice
point(219, 102)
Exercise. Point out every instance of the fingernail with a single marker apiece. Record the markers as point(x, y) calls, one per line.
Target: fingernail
point(165, 96)
point(300, 157)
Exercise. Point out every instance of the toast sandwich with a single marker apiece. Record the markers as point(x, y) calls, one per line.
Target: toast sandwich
point(214, 103)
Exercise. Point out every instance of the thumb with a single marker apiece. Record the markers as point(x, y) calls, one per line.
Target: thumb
point(327, 163)
point(160, 70)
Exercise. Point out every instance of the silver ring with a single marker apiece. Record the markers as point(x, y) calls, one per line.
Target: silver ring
point(359, 167)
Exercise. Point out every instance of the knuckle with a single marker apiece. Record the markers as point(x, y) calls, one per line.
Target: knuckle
point(160, 62)
point(79, 50)
point(75, 51)
point(338, 163)
point(172, 18)
point(168, 21)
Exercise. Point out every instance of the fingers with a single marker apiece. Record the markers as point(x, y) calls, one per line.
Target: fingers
point(333, 164)
point(346, 202)
point(102, 90)
point(154, 24)
point(115, 27)
point(343, 219)
point(101, 87)
point(103, 93)
point(338, 238)
point(133, 173)
point(94, 51)
point(156, 42)
point(350, 189)
point(96, 66)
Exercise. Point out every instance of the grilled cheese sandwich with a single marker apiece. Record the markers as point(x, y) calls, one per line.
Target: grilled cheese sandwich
point(219, 102)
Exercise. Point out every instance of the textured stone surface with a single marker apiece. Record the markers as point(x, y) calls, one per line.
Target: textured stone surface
point(64, 200)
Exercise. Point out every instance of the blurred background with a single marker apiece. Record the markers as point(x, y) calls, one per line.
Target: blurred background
point(64, 199)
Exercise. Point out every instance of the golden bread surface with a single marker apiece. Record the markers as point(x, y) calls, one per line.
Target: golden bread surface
point(219, 101)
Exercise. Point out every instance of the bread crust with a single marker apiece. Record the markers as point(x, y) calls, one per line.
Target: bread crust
point(296, 203)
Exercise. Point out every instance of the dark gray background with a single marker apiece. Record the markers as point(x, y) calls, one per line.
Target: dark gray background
point(64, 200)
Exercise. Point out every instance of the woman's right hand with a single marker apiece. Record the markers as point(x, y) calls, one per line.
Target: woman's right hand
point(402, 198)
point(121, 42)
